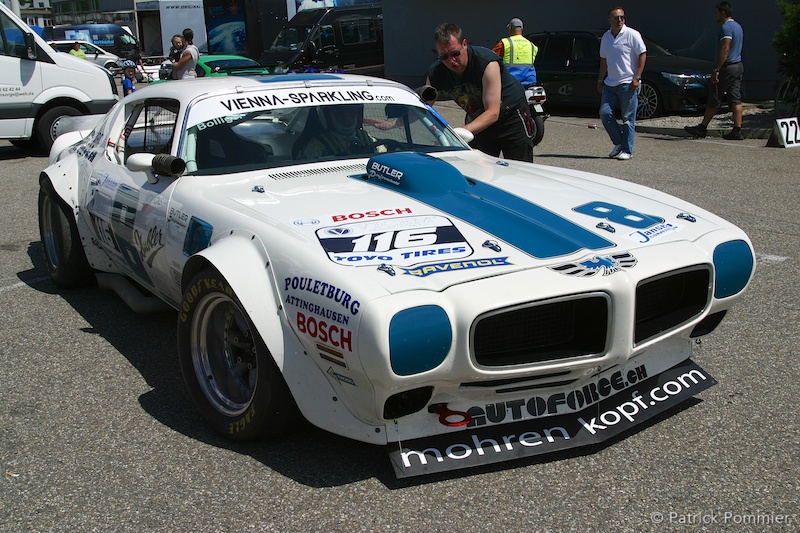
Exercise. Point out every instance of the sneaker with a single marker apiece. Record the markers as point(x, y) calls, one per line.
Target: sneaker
point(615, 152)
point(734, 135)
point(624, 156)
point(696, 131)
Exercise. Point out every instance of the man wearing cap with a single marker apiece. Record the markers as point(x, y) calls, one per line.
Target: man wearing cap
point(518, 54)
point(494, 100)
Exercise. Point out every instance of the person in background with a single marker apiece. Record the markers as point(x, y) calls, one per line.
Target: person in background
point(727, 77)
point(136, 57)
point(518, 54)
point(77, 51)
point(622, 58)
point(177, 48)
point(494, 100)
point(129, 77)
point(184, 68)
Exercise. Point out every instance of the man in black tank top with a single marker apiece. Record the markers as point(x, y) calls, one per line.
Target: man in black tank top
point(494, 101)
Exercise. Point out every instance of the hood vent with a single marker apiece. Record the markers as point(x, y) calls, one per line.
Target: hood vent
point(318, 171)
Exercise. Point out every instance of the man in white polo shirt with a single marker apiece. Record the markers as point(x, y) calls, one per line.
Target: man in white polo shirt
point(622, 58)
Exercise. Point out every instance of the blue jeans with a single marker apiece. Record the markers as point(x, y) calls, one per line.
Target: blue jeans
point(620, 96)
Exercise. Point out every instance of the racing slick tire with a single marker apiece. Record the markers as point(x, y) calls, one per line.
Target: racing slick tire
point(63, 252)
point(47, 124)
point(231, 376)
point(537, 124)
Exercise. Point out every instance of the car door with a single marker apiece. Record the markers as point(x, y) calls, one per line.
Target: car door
point(552, 67)
point(584, 68)
point(568, 68)
point(128, 213)
point(20, 82)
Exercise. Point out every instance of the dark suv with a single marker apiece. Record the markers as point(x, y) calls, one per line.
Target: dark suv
point(569, 61)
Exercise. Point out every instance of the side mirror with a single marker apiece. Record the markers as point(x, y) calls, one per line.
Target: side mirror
point(152, 164)
point(30, 46)
point(466, 135)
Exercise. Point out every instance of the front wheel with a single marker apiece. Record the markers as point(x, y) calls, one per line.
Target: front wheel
point(649, 104)
point(232, 379)
point(537, 127)
point(64, 256)
point(47, 125)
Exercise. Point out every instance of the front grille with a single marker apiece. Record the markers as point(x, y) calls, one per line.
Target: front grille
point(670, 300)
point(544, 331)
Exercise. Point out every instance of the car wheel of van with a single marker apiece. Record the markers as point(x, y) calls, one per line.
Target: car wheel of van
point(650, 104)
point(231, 376)
point(64, 256)
point(47, 125)
point(537, 125)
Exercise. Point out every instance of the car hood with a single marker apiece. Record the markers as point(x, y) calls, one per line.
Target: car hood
point(279, 58)
point(678, 64)
point(412, 217)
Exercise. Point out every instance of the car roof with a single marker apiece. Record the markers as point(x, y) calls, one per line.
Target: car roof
point(189, 89)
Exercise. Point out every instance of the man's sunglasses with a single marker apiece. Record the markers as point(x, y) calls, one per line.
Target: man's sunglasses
point(450, 55)
point(618, 17)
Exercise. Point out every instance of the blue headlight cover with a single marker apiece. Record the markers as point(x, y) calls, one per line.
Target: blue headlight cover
point(419, 339)
point(733, 263)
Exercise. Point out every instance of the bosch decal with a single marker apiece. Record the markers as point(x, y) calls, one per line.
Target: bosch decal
point(422, 239)
point(606, 264)
point(324, 332)
point(372, 214)
point(437, 268)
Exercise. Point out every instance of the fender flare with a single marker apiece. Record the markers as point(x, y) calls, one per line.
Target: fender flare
point(242, 259)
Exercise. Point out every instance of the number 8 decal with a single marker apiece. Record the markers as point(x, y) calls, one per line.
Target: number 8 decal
point(618, 215)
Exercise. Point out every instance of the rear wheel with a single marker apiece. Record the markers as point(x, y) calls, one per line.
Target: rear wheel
point(231, 376)
point(47, 125)
point(650, 104)
point(64, 256)
point(537, 125)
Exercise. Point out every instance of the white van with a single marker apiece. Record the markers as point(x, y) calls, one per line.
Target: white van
point(39, 86)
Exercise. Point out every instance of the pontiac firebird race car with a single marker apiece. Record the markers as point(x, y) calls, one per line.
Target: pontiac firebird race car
point(458, 308)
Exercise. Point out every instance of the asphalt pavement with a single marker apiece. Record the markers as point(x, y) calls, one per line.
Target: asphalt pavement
point(97, 432)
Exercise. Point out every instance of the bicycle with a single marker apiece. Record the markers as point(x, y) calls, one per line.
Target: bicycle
point(787, 99)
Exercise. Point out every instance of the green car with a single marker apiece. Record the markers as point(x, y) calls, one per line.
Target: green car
point(217, 65)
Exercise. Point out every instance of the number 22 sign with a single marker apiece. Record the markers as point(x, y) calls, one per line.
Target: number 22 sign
point(788, 132)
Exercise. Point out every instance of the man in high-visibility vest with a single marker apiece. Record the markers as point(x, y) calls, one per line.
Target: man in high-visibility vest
point(518, 54)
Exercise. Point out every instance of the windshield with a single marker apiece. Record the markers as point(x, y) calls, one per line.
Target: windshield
point(291, 38)
point(654, 49)
point(225, 143)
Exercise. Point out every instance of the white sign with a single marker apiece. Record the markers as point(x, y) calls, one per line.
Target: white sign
point(788, 131)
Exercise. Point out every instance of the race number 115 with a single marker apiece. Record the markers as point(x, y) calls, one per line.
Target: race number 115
point(789, 132)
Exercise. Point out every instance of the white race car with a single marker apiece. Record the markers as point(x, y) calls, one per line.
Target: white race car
point(335, 251)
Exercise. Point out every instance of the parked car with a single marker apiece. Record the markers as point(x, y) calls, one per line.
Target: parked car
point(335, 251)
point(112, 37)
point(569, 61)
point(39, 86)
point(94, 53)
point(340, 39)
point(217, 65)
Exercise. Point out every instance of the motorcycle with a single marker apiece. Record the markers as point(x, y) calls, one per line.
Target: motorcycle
point(536, 97)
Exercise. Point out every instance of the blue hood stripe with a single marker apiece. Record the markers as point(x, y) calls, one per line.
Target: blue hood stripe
point(529, 227)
